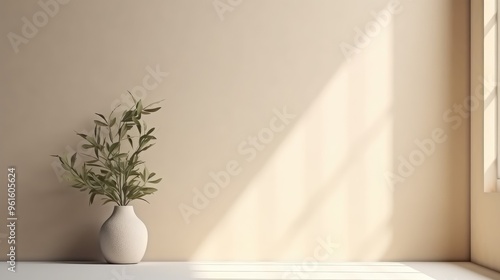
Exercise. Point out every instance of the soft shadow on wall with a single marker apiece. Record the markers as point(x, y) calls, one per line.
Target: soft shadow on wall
point(431, 134)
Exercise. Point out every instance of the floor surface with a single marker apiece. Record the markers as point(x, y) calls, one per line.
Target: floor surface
point(247, 271)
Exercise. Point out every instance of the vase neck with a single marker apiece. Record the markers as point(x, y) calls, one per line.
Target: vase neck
point(124, 210)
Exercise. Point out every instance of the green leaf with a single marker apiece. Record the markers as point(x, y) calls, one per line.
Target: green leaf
point(110, 183)
point(113, 147)
point(92, 141)
point(87, 146)
point(140, 198)
point(73, 159)
point(154, 103)
point(64, 164)
point(135, 173)
point(113, 121)
point(122, 155)
point(98, 134)
point(127, 116)
point(129, 126)
point(100, 123)
point(138, 125)
point(139, 106)
point(150, 131)
point(152, 110)
point(135, 101)
point(144, 139)
point(155, 181)
point(92, 196)
point(107, 201)
point(148, 190)
point(145, 148)
point(151, 175)
point(130, 141)
point(100, 115)
point(110, 134)
point(84, 136)
point(114, 109)
point(143, 175)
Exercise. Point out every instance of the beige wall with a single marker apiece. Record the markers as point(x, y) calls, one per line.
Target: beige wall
point(485, 200)
point(322, 177)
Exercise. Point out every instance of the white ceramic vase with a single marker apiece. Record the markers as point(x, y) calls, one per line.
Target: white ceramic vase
point(123, 237)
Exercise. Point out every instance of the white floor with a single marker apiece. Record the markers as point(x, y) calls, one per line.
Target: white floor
point(247, 271)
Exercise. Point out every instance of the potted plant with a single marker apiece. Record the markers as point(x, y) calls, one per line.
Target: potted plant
point(112, 169)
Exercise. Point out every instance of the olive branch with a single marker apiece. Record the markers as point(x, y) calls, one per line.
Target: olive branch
point(112, 167)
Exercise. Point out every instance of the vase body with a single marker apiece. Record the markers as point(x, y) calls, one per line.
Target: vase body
point(123, 237)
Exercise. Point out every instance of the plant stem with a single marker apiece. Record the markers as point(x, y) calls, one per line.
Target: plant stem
point(119, 181)
point(121, 190)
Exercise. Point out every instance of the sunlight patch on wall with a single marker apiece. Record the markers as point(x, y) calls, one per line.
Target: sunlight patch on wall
point(490, 104)
point(326, 178)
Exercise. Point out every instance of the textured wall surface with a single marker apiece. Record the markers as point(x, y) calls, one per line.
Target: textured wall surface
point(287, 125)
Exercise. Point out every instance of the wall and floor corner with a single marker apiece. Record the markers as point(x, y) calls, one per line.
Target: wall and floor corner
point(485, 201)
point(360, 114)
